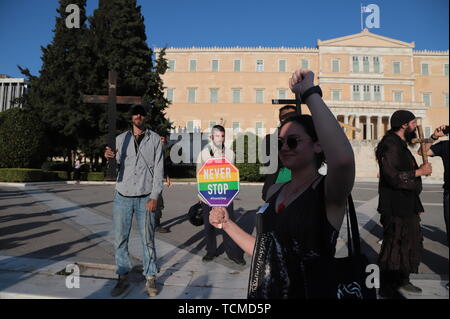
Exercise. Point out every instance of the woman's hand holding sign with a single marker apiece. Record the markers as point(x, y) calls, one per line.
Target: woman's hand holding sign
point(218, 217)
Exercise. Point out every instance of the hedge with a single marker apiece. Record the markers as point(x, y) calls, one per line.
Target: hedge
point(26, 175)
point(38, 175)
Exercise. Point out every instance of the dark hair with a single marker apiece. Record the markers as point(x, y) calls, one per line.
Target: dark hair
point(307, 123)
point(138, 109)
point(218, 128)
point(287, 107)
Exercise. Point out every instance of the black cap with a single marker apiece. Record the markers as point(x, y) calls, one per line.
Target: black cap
point(138, 109)
point(401, 117)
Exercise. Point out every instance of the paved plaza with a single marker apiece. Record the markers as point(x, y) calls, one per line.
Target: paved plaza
point(44, 228)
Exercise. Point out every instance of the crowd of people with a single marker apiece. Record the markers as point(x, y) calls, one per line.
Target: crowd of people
point(303, 210)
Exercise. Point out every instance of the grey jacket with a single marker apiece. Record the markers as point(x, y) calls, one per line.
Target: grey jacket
point(141, 173)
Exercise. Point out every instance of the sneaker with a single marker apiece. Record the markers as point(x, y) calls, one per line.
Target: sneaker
point(160, 229)
point(239, 261)
point(121, 286)
point(150, 286)
point(208, 257)
point(409, 288)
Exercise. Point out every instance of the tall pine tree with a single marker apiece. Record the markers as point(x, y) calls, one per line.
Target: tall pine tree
point(56, 94)
point(119, 39)
point(77, 62)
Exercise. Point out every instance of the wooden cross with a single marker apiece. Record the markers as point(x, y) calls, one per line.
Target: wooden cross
point(112, 100)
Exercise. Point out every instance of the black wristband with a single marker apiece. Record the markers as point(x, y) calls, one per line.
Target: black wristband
point(311, 90)
point(435, 139)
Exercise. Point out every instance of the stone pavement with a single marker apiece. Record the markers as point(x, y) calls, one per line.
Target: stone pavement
point(63, 227)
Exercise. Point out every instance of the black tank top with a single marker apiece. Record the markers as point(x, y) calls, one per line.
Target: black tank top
point(283, 239)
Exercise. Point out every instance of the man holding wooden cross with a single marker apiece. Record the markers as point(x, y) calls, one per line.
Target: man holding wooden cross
point(400, 206)
point(139, 184)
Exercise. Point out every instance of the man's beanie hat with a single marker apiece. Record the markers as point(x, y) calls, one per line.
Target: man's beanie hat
point(401, 117)
point(138, 109)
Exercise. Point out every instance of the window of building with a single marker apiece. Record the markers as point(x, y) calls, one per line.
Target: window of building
point(236, 127)
point(336, 95)
point(355, 64)
point(446, 99)
point(237, 65)
point(259, 128)
point(282, 94)
point(215, 65)
point(428, 131)
point(446, 69)
point(171, 66)
point(366, 64)
point(212, 124)
point(396, 67)
point(376, 64)
point(304, 64)
point(192, 92)
point(259, 66)
point(192, 65)
point(398, 96)
point(259, 96)
point(335, 65)
point(214, 95)
point(425, 69)
point(366, 89)
point(169, 95)
point(426, 99)
point(356, 95)
point(236, 95)
point(377, 93)
point(282, 65)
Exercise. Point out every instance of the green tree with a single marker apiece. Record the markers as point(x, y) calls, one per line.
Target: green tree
point(56, 94)
point(22, 140)
point(120, 42)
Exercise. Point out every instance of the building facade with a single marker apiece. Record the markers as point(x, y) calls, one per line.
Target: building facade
point(10, 89)
point(364, 78)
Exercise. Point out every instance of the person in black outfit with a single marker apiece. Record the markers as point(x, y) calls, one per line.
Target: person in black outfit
point(400, 207)
point(441, 149)
point(302, 217)
point(216, 148)
point(160, 205)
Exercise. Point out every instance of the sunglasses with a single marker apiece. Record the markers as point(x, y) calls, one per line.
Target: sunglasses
point(291, 142)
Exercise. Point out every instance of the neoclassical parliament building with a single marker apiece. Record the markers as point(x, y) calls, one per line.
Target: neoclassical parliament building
point(364, 77)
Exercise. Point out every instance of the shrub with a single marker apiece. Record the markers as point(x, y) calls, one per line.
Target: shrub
point(249, 172)
point(96, 176)
point(62, 175)
point(22, 142)
point(26, 175)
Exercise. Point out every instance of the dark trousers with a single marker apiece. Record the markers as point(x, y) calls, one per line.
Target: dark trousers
point(393, 279)
point(446, 213)
point(158, 211)
point(231, 248)
point(77, 174)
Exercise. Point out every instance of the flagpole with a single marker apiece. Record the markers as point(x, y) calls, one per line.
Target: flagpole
point(361, 13)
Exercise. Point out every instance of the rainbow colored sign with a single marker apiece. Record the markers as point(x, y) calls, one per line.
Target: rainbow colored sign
point(218, 181)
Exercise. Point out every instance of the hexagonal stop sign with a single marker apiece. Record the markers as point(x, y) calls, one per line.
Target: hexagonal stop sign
point(218, 181)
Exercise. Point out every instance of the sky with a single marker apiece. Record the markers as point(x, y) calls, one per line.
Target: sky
point(26, 25)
